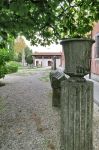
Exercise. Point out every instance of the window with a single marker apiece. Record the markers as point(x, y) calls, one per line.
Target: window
point(97, 45)
point(39, 57)
point(47, 57)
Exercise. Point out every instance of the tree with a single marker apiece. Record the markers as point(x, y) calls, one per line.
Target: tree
point(28, 56)
point(19, 47)
point(4, 57)
point(6, 53)
point(28, 51)
point(18, 57)
point(29, 59)
point(26, 16)
point(46, 21)
point(76, 17)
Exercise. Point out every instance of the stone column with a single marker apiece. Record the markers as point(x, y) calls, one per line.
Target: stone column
point(33, 60)
point(76, 114)
point(76, 97)
point(42, 61)
point(54, 63)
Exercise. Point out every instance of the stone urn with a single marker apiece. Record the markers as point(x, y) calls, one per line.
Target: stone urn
point(77, 54)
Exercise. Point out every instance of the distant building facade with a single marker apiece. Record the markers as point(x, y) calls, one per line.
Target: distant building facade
point(95, 50)
point(45, 59)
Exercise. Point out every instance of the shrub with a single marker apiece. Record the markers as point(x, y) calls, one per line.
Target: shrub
point(11, 67)
point(4, 57)
point(3, 71)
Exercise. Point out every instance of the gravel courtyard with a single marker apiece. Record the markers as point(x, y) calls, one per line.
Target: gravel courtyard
point(27, 119)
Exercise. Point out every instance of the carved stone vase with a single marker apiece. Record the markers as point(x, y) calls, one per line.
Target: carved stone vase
point(77, 56)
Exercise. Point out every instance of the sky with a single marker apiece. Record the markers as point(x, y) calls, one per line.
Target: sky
point(51, 48)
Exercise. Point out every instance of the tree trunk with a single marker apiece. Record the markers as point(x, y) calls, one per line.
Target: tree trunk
point(23, 57)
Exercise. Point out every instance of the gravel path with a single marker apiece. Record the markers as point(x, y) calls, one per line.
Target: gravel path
point(27, 119)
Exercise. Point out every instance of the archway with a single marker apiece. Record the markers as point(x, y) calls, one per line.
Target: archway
point(49, 63)
point(37, 63)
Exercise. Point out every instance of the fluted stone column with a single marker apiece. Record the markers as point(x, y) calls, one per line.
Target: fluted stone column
point(76, 114)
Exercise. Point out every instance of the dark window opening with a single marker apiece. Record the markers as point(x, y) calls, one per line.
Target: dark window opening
point(49, 63)
point(37, 63)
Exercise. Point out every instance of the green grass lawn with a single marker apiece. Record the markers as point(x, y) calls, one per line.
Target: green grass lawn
point(29, 71)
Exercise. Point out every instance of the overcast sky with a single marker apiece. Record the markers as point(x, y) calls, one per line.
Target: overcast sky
point(51, 48)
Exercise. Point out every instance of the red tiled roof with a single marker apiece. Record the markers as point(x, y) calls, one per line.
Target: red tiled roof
point(47, 54)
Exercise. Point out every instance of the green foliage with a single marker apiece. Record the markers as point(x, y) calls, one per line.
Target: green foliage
point(3, 71)
point(46, 21)
point(28, 51)
point(18, 57)
point(28, 55)
point(29, 59)
point(11, 67)
point(6, 51)
point(4, 56)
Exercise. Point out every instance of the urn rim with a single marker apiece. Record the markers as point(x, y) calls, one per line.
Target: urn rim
point(76, 39)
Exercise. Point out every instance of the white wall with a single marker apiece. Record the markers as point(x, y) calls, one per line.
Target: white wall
point(40, 61)
point(45, 62)
point(58, 62)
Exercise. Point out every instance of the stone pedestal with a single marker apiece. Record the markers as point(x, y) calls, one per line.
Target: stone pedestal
point(76, 114)
point(56, 97)
point(55, 78)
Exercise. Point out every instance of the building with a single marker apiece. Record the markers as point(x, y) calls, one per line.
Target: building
point(95, 52)
point(45, 59)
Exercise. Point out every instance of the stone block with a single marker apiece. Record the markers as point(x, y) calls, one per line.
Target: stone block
point(76, 114)
point(55, 78)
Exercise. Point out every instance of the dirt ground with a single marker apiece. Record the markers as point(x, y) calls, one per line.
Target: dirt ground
point(27, 119)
